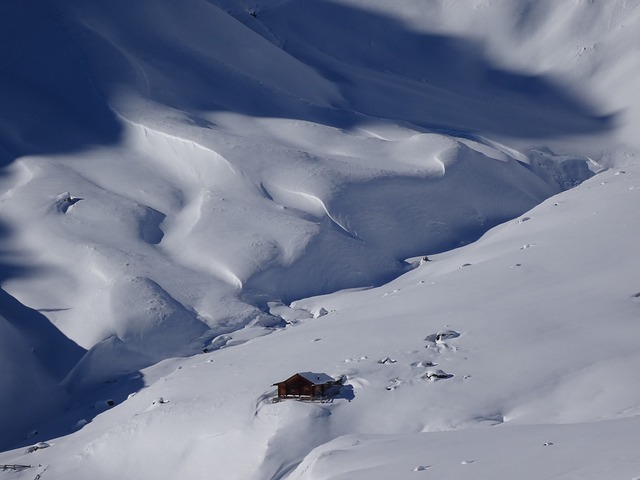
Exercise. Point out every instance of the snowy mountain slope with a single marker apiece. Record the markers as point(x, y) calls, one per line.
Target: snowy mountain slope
point(548, 342)
point(26, 381)
point(186, 177)
point(422, 84)
point(172, 174)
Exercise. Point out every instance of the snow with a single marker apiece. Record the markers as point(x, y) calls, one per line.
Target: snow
point(316, 378)
point(200, 199)
point(481, 453)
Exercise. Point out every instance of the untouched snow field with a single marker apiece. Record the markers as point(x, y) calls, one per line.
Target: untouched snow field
point(201, 198)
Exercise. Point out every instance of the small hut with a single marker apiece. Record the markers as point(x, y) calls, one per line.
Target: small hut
point(306, 386)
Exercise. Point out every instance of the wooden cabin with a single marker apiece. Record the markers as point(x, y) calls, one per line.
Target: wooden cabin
point(306, 386)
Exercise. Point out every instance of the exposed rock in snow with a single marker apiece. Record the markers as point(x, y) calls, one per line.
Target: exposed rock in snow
point(436, 374)
point(38, 446)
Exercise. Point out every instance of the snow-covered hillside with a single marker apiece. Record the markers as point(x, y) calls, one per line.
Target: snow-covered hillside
point(201, 198)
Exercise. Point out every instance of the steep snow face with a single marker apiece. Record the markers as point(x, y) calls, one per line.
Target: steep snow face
point(175, 172)
point(433, 79)
point(34, 359)
point(227, 183)
point(25, 383)
point(539, 45)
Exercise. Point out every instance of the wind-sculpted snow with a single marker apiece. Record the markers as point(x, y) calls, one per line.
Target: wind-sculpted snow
point(50, 103)
point(180, 179)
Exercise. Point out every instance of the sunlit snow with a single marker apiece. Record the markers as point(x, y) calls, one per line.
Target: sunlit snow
point(433, 202)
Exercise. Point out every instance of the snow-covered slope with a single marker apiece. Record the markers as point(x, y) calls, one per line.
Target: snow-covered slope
point(542, 370)
point(175, 175)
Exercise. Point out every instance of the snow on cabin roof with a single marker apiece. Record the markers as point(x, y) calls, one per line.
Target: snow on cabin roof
point(316, 378)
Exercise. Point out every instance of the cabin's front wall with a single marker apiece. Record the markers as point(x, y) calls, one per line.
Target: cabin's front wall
point(298, 386)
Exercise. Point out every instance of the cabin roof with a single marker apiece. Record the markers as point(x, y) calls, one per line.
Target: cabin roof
point(312, 377)
point(316, 378)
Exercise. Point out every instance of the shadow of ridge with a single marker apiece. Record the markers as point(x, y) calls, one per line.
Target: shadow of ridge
point(56, 87)
point(57, 353)
point(104, 377)
point(434, 81)
point(83, 408)
point(50, 104)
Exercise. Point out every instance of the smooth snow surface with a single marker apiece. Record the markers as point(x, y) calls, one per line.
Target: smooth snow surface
point(436, 201)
